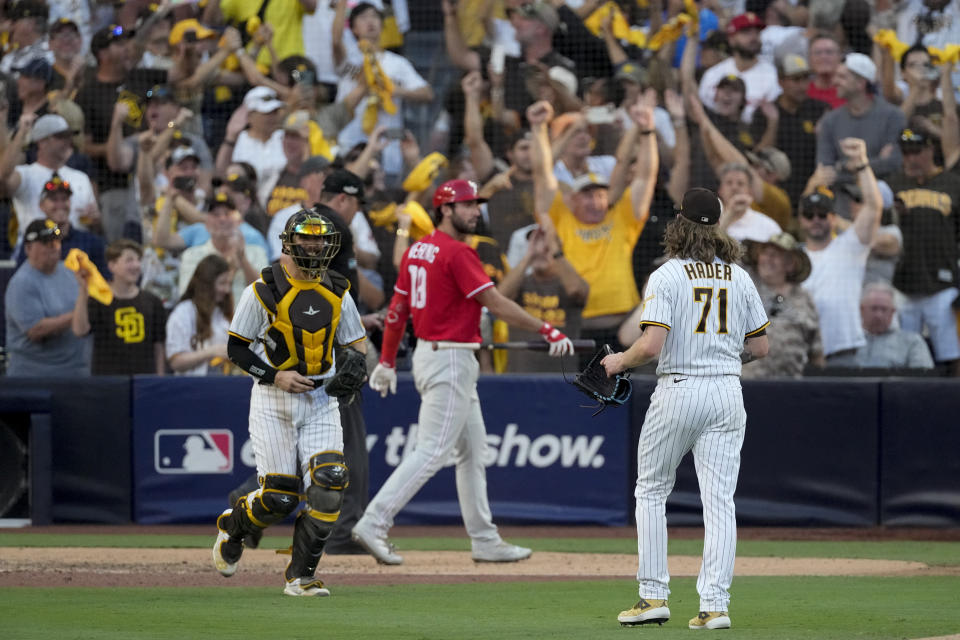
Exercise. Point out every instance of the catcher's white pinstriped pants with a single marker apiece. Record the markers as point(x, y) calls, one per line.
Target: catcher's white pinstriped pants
point(287, 427)
point(705, 414)
point(450, 424)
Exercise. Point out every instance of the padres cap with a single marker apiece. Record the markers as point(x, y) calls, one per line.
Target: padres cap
point(732, 81)
point(914, 141)
point(42, 231)
point(822, 199)
point(701, 206)
point(220, 200)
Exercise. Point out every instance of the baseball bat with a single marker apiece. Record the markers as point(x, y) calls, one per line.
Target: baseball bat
point(536, 345)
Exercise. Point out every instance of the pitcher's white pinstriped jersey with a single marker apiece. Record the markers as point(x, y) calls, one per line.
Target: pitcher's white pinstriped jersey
point(251, 321)
point(708, 309)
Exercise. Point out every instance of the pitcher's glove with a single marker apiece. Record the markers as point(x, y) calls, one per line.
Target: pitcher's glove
point(606, 390)
point(350, 377)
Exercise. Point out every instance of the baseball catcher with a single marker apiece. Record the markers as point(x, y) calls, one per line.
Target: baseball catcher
point(606, 390)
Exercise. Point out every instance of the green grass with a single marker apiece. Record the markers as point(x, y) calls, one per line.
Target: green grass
point(763, 608)
point(932, 553)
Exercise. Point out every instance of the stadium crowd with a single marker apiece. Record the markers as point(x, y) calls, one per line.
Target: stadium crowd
point(151, 155)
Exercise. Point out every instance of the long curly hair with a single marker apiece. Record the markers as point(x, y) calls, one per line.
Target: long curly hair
point(687, 239)
point(202, 291)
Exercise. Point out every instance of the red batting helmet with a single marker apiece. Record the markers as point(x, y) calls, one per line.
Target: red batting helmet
point(456, 191)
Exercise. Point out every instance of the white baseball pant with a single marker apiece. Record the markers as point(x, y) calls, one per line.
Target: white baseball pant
point(705, 414)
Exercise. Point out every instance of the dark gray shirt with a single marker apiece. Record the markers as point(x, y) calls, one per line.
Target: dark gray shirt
point(878, 127)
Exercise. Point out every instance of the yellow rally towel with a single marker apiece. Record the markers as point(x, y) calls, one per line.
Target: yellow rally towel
point(420, 222)
point(618, 24)
point(422, 176)
point(948, 55)
point(319, 145)
point(380, 86)
point(390, 36)
point(97, 287)
point(887, 38)
point(669, 32)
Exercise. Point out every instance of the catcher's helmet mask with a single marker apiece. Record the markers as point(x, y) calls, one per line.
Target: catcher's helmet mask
point(313, 258)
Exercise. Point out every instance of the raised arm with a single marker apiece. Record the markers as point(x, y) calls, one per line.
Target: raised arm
point(480, 154)
point(615, 52)
point(457, 50)
point(718, 149)
point(648, 159)
point(950, 138)
point(680, 172)
point(857, 162)
point(336, 33)
point(235, 126)
point(541, 158)
point(80, 323)
point(119, 155)
point(13, 154)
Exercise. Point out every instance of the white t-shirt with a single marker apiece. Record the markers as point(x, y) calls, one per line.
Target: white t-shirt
point(266, 157)
point(318, 31)
point(404, 76)
point(835, 283)
point(760, 79)
point(26, 199)
point(182, 327)
point(753, 225)
point(363, 235)
point(601, 167)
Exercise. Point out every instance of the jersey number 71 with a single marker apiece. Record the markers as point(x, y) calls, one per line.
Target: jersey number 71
point(704, 295)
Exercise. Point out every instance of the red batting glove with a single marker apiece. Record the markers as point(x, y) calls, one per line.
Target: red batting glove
point(559, 343)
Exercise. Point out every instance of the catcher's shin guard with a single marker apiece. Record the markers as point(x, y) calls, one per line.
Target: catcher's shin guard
point(274, 501)
point(329, 477)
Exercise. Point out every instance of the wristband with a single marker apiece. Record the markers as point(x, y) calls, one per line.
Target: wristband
point(647, 132)
point(229, 142)
point(558, 255)
point(859, 168)
point(403, 233)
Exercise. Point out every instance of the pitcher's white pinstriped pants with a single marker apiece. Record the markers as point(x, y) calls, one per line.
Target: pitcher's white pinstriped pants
point(705, 414)
point(450, 424)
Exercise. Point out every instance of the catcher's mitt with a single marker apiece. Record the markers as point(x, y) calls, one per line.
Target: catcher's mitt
point(596, 384)
point(350, 377)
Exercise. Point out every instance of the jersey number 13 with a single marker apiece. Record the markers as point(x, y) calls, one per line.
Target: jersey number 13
point(418, 286)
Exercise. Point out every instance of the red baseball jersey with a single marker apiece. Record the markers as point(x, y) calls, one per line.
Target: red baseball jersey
point(440, 277)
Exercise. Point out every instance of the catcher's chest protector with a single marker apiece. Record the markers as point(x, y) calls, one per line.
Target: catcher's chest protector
point(303, 319)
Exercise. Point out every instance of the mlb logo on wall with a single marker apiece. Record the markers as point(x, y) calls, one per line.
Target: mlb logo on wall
point(193, 451)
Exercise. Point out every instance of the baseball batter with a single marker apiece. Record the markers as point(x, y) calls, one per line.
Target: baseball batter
point(704, 318)
point(283, 333)
point(443, 286)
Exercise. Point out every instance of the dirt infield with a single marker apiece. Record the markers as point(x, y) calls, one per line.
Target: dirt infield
point(87, 566)
point(172, 567)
